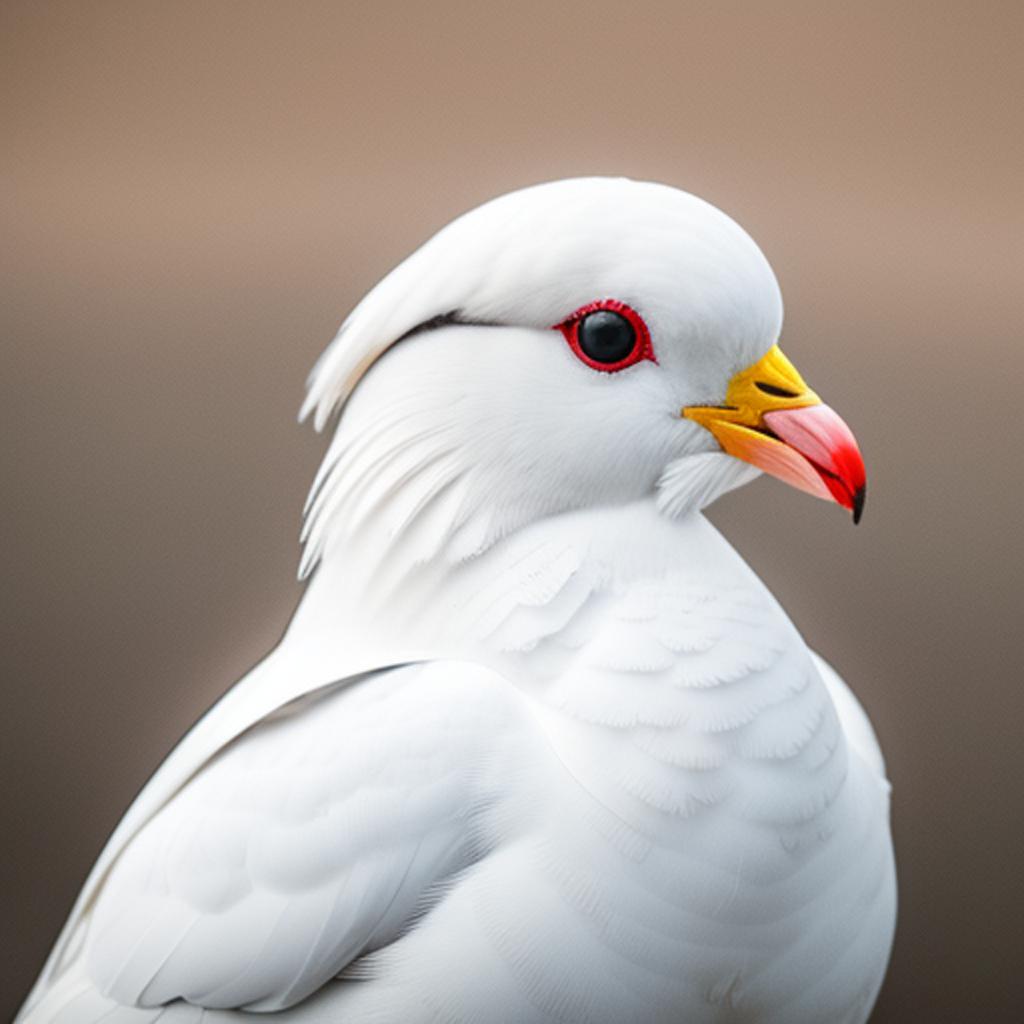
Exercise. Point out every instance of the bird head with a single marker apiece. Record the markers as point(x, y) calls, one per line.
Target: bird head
point(579, 343)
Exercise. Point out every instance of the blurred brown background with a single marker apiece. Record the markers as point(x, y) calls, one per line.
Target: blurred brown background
point(194, 194)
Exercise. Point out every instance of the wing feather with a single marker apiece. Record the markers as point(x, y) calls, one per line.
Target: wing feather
point(316, 836)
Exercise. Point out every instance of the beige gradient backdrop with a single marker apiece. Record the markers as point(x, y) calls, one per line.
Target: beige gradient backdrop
point(193, 196)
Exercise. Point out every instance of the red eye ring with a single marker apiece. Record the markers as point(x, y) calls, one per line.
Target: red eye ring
point(642, 348)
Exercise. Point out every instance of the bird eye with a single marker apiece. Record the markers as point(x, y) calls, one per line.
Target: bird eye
point(608, 336)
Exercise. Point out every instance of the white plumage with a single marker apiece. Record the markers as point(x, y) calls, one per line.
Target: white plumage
point(538, 746)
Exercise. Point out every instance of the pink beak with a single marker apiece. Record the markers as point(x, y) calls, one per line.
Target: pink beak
point(773, 420)
point(819, 455)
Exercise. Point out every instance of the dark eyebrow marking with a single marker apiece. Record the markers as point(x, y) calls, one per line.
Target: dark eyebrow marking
point(452, 318)
point(441, 320)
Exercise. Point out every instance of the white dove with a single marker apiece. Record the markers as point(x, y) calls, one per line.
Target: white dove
point(537, 746)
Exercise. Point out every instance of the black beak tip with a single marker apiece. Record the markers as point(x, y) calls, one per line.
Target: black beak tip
point(858, 503)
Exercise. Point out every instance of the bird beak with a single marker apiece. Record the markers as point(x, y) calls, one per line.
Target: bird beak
point(773, 420)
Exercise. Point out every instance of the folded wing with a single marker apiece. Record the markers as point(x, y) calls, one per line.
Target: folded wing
point(318, 835)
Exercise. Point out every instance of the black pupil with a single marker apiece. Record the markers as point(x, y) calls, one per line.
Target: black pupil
point(606, 336)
